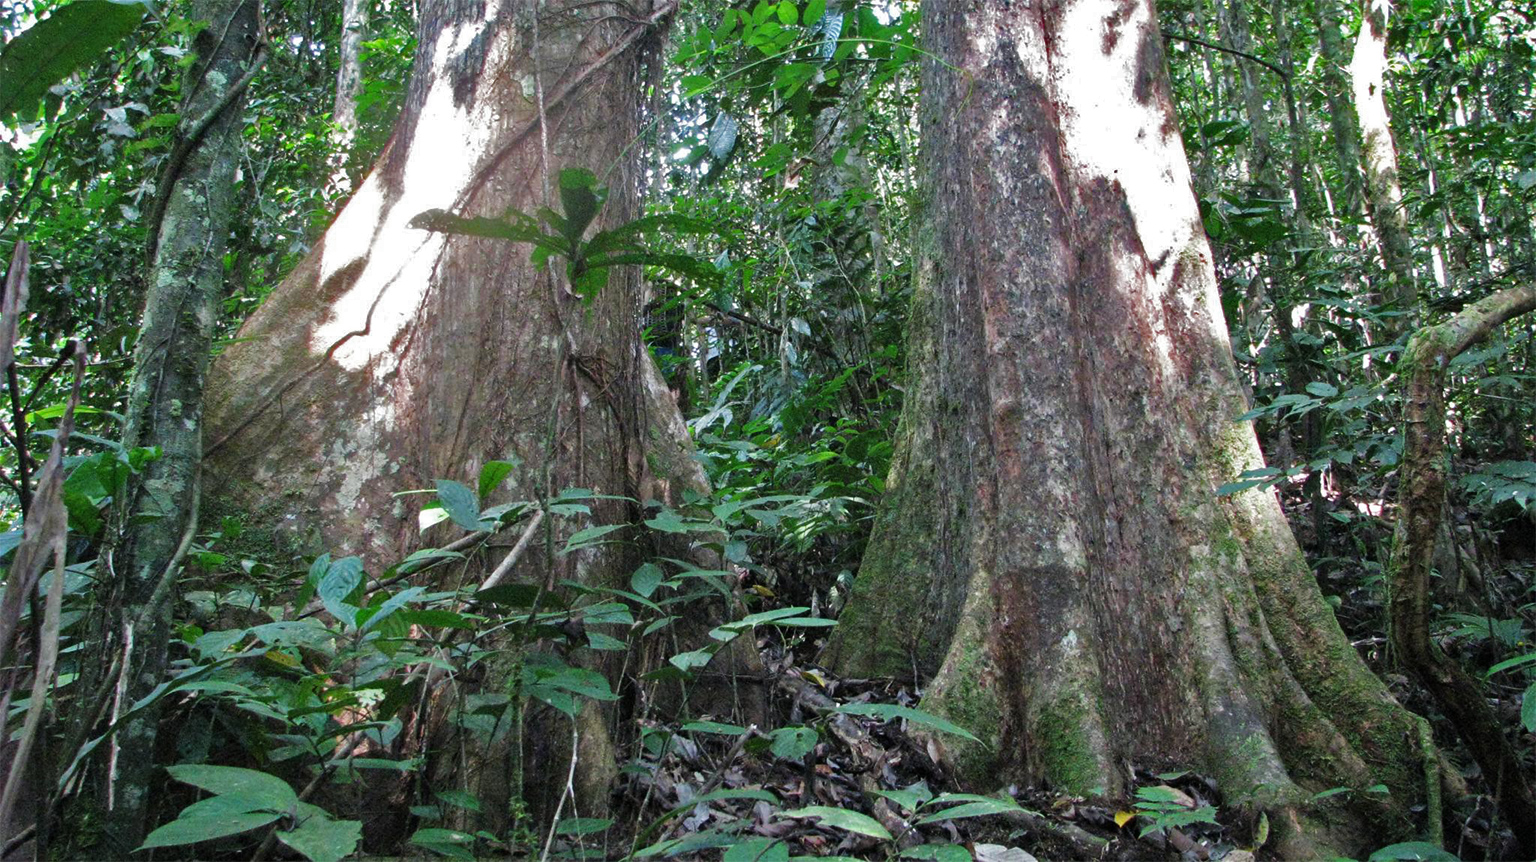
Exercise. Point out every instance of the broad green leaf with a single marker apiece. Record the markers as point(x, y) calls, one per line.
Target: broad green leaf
point(937, 853)
point(321, 839)
point(692, 659)
point(889, 711)
point(195, 829)
point(392, 604)
point(248, 783)
point(852, 821)
point(758, 850)
point(460, 503)
point(581, 197)
point(582, 538)
point(492, 475)
point(793, 743)
point(722, 136)
point(714, 727)
point(582, 825)
point(1422, 850)
point(71, 36)
point(980, 808)
point(341, 579)
point(512, 595)
point(1528, 709)
point(646, 579)
point(448, 842)
point(1517, 661)
point(459, 799)
point(433, 618)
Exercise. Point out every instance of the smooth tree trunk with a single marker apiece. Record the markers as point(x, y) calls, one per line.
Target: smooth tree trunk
point(165, 406)
point(1384, 193)
point(393, 357)
point(349, 85)
point(1055, 558)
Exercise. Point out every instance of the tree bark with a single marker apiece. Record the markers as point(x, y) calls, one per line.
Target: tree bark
point(395, 356)
point(1384, 194)
point(1341, 112)
point(165, 400)
point(349, 84)
point(1053, 555)
point(1419, 520)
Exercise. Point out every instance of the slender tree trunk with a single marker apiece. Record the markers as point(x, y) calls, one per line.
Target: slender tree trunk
point(394, 356)
point(1054, 556)
point(349, 84)
point(165, 400)
point(1384, 194)
point(1341, 111)
point(1419, 525)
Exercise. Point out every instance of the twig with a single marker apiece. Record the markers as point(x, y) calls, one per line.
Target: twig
point(570, 790)
point(510, 559)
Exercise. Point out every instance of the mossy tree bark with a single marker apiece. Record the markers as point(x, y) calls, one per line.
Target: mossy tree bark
point(165, 405)
point(1053, 557)
point(1422, 480)
point(394, 356)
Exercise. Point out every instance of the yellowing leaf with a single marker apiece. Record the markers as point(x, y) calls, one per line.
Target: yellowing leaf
point(279, 657)
point(1124, 817)
point(813, 676)
point(762, 591)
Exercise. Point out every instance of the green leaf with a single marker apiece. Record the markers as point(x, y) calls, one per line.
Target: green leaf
point(582, 538)
point(722, 136)
point(852, 821)
point(392, 604)
point(692, 659)
point(813, 12)
point(581, 198)
point(979, 808)
point(194, 829)
point(321, 839)
point(341, 579)
point(1517, 661)
point(793, 743)
point(273, 792)
point(1528, 709)
point(582, 825)
point(937, 853)
point(646, 579)
point(448, 842)
point(437, 619)
point(46, 53)
point(714, 727)
point(1321, 389)
point(492, 475)
point(511, 595)
point(459, 799)
point(1412, 850)
point(460, 503)
point(758, 850)
point(889, 711)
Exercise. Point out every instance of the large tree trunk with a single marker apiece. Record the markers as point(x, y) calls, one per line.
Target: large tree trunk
point(1054, 555)
point(158, 515)
point(394, 356)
